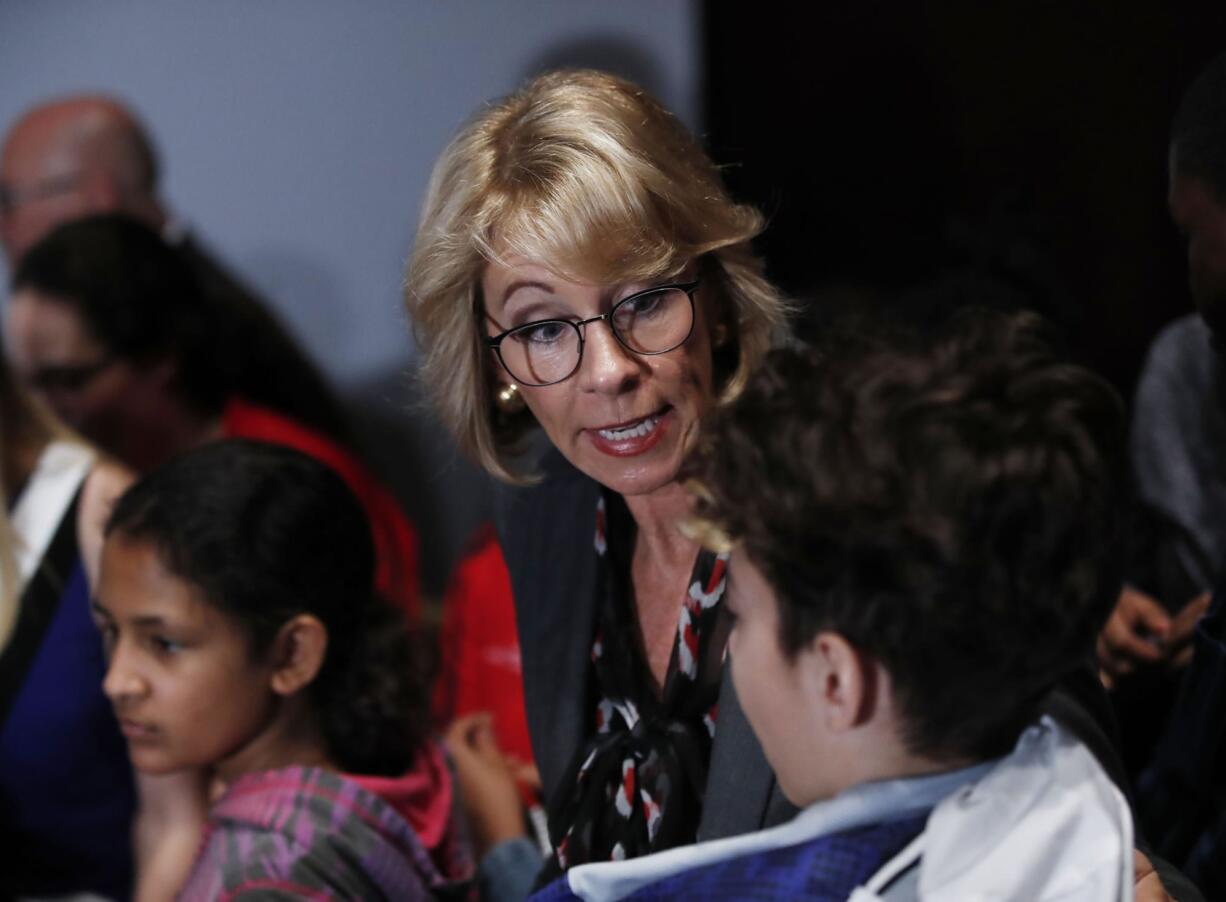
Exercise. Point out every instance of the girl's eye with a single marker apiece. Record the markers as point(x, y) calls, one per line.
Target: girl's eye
point(546, 332)
point(109, 635)
point(165, 646)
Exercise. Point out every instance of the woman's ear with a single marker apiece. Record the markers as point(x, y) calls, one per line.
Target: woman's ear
point(298, 653)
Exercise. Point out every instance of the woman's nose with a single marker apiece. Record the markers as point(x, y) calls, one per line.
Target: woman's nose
point(607, 365)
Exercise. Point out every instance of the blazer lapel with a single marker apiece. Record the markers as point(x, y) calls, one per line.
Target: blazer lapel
point(742, 794)
point(547, 534)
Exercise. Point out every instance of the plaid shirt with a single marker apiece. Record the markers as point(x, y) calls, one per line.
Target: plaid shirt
point(307, 833)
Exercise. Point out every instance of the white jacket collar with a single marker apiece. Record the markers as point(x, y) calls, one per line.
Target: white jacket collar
point(1043, 823)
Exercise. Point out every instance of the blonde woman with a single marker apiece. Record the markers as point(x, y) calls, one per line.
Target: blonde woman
point(68, 800)
point(580, 268)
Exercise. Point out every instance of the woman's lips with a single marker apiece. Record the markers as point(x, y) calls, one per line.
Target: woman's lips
point(632, 437)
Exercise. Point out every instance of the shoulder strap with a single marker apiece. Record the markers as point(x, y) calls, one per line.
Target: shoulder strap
point(890, 872)
point(39, 511)
point(39, 603)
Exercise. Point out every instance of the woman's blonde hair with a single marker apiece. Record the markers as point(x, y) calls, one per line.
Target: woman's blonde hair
point(587, 175)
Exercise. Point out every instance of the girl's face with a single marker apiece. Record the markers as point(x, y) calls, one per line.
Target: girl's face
point(624, 419)
point(185, 686)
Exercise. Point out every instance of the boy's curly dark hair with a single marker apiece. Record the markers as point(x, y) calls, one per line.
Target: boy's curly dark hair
point(267, 533)
point(949, 506)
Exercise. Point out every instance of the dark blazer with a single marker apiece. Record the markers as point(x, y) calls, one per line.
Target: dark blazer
point(547, 534)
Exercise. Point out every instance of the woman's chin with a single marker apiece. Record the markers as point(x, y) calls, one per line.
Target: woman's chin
point(630, 476)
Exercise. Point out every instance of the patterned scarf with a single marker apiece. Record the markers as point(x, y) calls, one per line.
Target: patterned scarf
point(639, 780)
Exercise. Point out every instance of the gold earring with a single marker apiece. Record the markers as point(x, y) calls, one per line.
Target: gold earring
point(721, 335)
point(508, 399)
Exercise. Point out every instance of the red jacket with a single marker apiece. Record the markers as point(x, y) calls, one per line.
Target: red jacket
point(396, 570)
point(480, 647)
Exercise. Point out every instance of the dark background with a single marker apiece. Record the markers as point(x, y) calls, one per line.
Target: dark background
point(892, 144)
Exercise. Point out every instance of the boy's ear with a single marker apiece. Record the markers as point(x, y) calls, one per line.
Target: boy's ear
point(843, 680)
point(298, 653)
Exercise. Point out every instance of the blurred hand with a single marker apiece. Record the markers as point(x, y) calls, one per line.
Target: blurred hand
point(528, 778)
point(1183, 629)
point(1134, 635)
point(487, 781)
point(1146, 884)
point(167, 831)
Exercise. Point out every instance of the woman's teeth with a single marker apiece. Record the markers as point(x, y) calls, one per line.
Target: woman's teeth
point(643, 428)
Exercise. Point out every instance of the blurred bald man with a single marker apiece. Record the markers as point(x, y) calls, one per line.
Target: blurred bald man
point(69, 158)
point(87, 154)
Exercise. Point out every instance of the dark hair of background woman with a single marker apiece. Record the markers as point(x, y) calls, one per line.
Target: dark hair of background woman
point(141, 299)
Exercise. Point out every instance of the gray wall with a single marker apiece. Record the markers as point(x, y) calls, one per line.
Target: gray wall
point(297, 137)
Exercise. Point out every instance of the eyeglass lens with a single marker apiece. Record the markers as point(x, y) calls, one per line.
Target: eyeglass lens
point(68, 378)
point(651, 322)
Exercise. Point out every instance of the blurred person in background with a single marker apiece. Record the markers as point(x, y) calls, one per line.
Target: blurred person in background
point(1166, 642)
point(107, 324)
point(87, 154)
point(1179, 423)
point(68, 800)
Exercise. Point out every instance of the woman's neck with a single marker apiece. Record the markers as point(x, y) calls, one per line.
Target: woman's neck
point(657, 517)
point(663, 560)
point(169, 432)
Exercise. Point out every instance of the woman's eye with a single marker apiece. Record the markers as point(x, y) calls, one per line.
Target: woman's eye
point(643, 304)
point(546, 332)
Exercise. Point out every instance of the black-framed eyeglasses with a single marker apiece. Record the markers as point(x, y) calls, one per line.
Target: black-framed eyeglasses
point(547, 351)
point(69, 377)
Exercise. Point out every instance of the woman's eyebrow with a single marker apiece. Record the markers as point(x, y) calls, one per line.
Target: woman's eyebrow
point(524, 283)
